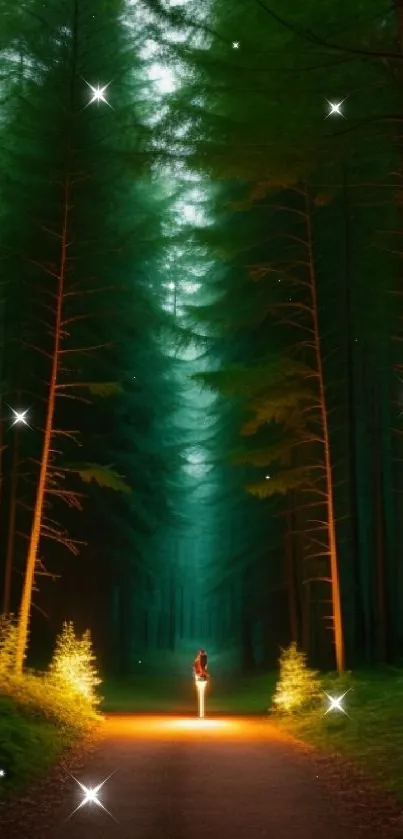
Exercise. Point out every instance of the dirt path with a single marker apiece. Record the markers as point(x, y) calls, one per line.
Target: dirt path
point(188, 779)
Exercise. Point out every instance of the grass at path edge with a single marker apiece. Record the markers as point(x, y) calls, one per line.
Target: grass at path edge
point(30, 745)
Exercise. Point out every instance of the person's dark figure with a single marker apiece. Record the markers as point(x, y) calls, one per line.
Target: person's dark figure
point(200, 666)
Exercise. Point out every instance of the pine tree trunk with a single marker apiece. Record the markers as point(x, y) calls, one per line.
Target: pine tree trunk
point(172, 616)
point(380, 637)
point(361, 642)
point(306, 618)
point(26, 600)
point(338, 634)
point(398, 4)
point(364, 506)
point(290, 577)
point(388, 507)
point(248, 658)
point(124, 621)
point(181, 613)
point(11, 524)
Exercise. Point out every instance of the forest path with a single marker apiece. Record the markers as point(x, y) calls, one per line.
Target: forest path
point(178, 778)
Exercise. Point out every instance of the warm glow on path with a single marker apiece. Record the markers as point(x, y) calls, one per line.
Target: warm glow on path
point(181, 777)
point(185, 727)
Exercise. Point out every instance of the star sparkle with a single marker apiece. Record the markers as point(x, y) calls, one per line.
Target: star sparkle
point(98, 94)
point(91, 796)
point(19, 417)
point(335, 703)
point(235, 45)
point(2, 773)
point(335, 108)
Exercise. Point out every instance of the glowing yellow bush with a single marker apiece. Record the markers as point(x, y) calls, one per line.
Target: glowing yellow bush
point(66, 693)
point(8, 644)
point(73, 669)
point(36, 694)
point(298, 686)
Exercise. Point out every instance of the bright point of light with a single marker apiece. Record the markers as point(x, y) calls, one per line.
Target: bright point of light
point(91, 796)
point(268, 477)
point(2, 773)
point(98, 94)
point(201, 689)
point(335, 108)
point(19, 417)
point(335, 703)
point(235, 45)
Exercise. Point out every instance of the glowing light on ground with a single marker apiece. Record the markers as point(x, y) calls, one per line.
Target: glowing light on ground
point(201, 691)
point(91, 796)
point(2, 773)
point(159, 728)
point(335, 108)
point(235, 45)
point(201, 724)
point(336, 703)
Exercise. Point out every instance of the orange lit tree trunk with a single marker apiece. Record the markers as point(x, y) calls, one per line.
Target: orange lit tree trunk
point(29, 578)
point(336, 616)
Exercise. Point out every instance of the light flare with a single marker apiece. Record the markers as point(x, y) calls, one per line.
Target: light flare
point(19, 417)
point(98, 94)
point(335, 108)
point(335, 703)
point(91, 796)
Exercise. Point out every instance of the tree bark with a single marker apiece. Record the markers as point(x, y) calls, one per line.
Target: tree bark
point(290, 577)
point(11, 525)
point(361, 641)
point(337, 620)
point(26, 600)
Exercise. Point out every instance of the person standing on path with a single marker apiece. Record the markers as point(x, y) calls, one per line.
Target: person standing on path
point(200, 666)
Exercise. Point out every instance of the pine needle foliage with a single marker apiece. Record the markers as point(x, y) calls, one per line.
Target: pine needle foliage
point(298, 686)
point(67, 692)
point(74, 222)
point(8, 645)
point(73, 666)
